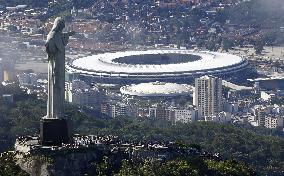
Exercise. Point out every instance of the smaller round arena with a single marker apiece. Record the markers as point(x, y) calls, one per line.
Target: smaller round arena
point(157, 89)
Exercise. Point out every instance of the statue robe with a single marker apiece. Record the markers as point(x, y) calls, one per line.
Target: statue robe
point(55, 47)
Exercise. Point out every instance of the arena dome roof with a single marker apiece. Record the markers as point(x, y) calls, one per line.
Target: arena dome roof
point(157, 89)
point(105, 62)
point(155, 65)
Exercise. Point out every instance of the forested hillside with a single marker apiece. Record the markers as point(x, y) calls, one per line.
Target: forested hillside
point(261, 148)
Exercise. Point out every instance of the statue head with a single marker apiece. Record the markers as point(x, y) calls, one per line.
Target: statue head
point(59, 24)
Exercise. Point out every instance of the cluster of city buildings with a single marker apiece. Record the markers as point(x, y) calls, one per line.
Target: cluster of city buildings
point(118, 22)
point(208, 99)
point(203, 102)
point(269, 116)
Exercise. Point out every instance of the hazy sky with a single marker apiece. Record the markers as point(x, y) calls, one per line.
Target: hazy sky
point(272, 4)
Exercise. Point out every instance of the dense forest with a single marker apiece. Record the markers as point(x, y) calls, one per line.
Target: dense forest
point(263, 151)
point(116, 164)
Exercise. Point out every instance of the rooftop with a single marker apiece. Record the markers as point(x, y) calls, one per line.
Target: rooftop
point(157, 89)
point(105, 63)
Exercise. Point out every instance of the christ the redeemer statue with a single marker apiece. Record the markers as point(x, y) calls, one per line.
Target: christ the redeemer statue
point(55, 48)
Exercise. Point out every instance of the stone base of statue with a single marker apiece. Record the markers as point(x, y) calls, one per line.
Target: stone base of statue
point(54, 132)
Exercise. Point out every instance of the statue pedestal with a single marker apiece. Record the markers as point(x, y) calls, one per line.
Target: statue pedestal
point(54, 132)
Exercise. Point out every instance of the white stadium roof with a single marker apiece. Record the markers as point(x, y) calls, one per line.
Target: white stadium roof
point(157, 89)
point(103, 63)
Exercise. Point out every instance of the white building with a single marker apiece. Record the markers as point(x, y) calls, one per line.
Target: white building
point(274, 122)
point(119, 110)
point(76, 97)
point(261, 114)
point(158, 111)
point(265, 96)
point(184, 115)
point(208, 95)
point(90, 97)
point(221, 117)
point(267, 116)
point(152, 112)
point(78, 92)
point(174, 114)
point(114, 110)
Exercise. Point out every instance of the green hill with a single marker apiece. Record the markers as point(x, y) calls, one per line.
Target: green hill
point(261, 148)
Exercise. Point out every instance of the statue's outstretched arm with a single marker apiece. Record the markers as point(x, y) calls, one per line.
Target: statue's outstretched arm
point(71, 33)
point(66, 37)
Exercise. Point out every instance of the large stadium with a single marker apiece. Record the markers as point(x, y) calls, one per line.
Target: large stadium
point(179, 66)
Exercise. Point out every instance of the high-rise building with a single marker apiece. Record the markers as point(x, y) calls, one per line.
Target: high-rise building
point(119, 110)
point(184, 115)
point(174, 114)
point(274, 122)
point(208, 95)
point(157, 111)
point(260, 116)
point(113, 110)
